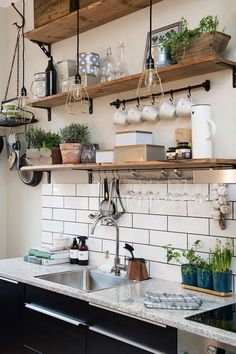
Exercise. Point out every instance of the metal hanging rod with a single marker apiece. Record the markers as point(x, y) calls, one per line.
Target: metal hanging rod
point(206, 85)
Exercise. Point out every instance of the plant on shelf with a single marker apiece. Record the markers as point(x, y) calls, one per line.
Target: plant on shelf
point(222, 263)
point(188, 259)
point(43, 147)
point(203, 40)
point(73, 137)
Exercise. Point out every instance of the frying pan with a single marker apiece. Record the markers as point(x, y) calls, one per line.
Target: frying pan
point(30, 178)
point(1, 144)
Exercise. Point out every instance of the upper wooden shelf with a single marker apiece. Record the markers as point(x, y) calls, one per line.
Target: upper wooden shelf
point(169, 73)
point(212, 163)
point(91, 16)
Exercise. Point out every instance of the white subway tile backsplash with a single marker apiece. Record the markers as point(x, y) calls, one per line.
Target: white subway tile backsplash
point(87, 190)
point(105, 232)
point(165, 271)
point(76, 202)
point(64, 214)
point(47, 237)
point(207, 242)
point(190, 189)
point(166, 207)
point(94, 203)
point(230, 230)
point(52, 202)
point(232, 192)
point(187, 224)
point(161, 238)
point(97, 258)
point(51, 225)
point(47, 189)
point(153, 222)
point(110, 245)
point(46, 213)
point(126, 220)
point(76, 228)
point(64, 189)
point(200, 209)
point(94, 244)
point(137, 206)
point(152, 253)
point(134, 235)
point(83, 216)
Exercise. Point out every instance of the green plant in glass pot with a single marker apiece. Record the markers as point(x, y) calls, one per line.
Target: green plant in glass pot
point(73, 138)
point(43, 146)
point(222, 263)
point(188, 259)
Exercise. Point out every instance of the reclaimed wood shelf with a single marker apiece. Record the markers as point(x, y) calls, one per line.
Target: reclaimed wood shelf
point(212, 163)
point(91, 16)
point(207, 291)
point(169, 73)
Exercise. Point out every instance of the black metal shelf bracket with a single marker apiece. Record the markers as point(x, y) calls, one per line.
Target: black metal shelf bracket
point(206, 85)
point(234, 77)
point(49, 111)
point(49, 177)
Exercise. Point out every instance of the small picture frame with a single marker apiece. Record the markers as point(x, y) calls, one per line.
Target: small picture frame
point(158, 53)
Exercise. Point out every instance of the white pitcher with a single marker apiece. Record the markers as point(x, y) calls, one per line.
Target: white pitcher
point(203, 130)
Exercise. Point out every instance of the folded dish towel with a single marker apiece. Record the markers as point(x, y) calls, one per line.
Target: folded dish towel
point(172, 301)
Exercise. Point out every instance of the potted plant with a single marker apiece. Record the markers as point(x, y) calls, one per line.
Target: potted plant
point(222, 262)
point(73, 137)
point(205, 275)
point(191, 261)
point(191, 44)
point(43, 147)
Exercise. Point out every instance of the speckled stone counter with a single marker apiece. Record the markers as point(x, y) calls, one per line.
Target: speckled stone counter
point(126, 299)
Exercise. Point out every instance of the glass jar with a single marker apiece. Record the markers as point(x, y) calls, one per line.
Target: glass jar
point(171, 153)
point(38, 87)
point(183, 151)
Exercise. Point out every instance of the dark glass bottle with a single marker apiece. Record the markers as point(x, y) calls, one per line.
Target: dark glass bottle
point(51, 78)
point(74, 252)
point(83, 251)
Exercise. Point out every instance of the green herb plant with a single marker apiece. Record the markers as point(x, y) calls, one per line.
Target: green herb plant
point(222, 256)
point(38, 138)
point(75, 133)
point(174, 41)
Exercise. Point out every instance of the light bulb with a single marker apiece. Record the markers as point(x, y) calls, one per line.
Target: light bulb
point(150, 80)
point(76, 92)
point(24, 98)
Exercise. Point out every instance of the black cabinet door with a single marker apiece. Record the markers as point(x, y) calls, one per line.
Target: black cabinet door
point(107, 343)
point(11, 300)
point(50, 332)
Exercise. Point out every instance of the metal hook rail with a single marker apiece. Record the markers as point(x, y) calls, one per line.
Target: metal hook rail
point(206, 85)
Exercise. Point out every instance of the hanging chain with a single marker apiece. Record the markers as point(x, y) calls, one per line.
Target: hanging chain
point(16, 53)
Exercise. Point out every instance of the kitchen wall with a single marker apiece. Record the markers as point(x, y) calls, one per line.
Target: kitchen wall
point(147, 225)
point(24, 203)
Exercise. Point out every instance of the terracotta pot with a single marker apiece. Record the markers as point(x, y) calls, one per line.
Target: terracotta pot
point(71, 153)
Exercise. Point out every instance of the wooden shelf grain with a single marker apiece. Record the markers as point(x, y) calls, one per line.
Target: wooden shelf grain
point(91, 16)
point(147, 165)
point(169, 73)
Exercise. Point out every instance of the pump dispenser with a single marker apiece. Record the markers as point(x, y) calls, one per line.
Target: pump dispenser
point(74, 252)
point(83, 251)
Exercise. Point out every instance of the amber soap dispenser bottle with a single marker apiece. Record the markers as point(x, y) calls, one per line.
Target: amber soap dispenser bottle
point(83, 251)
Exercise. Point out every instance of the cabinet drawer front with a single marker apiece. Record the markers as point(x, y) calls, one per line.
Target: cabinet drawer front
point(145, 335)
point(56, 302)
point(49, 335)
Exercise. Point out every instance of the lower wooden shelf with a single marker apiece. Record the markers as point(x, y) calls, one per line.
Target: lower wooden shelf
point(146, 165)
point(207, 291)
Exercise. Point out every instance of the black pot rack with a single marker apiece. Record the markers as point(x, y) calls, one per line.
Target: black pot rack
point(206, 85)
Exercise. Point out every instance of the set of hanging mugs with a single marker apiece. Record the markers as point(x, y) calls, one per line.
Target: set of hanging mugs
point(165, 109)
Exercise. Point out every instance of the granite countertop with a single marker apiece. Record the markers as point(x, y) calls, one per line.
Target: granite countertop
point(127, 299)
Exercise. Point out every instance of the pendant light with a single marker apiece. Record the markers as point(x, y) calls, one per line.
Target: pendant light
point(23, 98)
point(150, 78)
point(77, 92)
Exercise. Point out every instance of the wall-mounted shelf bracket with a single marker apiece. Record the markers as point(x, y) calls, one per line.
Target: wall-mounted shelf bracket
point(49, 112)
point(90, 176)
point(49, 177)
point(90, 106)
point(42, 45)
point(234, 77)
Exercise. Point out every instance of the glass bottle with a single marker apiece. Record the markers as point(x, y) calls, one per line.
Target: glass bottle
point(121, 66)
point(108, 65)
point(50, 78)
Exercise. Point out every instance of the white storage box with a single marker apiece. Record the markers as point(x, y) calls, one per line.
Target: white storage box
point(104, 156)
point(133, 138)
point(137, 153)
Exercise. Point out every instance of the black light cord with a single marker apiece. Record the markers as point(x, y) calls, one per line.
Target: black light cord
point(150, 32)
point(23, 90)
point(77, 76)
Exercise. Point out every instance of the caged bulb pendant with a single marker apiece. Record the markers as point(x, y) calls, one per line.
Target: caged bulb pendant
point(77, 93)
point(150, 78)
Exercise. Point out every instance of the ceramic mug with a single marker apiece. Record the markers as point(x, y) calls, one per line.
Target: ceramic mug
point(167, 109)
point(119, 117)
point(149, 113)
point(134, 115)
point(184, 107)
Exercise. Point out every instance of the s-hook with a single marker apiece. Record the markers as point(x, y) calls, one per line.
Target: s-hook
point(20, 14)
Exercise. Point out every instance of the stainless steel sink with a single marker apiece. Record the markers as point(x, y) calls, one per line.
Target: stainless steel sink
point(86, 280)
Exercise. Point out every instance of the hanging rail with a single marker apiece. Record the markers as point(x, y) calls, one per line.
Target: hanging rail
point(206, 85)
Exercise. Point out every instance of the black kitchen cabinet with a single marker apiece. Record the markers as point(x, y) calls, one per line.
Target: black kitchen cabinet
point(11, 300)
point(53, 323)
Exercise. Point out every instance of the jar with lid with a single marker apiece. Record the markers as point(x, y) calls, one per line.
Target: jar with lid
point(183, 151)
point(171, 153)
point(38, 88)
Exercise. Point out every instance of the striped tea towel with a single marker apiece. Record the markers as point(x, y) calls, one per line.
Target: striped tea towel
point(172, 301)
